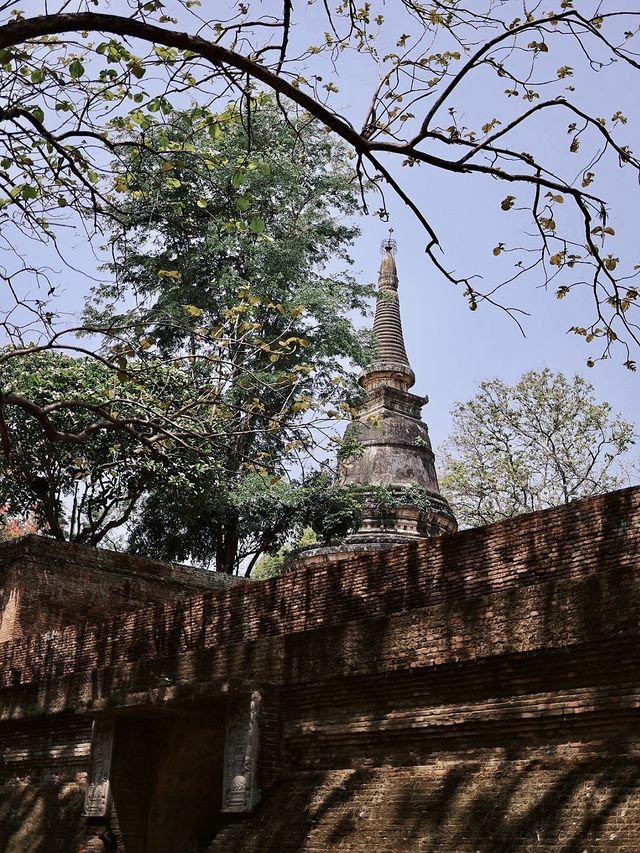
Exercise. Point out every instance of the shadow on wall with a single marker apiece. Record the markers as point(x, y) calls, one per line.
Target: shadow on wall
point(45, 818)
point(500, 808)
point(495, 806)
point(454, 572)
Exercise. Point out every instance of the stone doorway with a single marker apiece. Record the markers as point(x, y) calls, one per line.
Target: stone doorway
point(167, 781)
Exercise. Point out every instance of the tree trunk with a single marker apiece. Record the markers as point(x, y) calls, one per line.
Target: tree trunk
point(227, 549)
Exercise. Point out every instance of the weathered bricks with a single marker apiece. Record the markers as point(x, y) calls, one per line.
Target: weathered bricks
point(45, 584)
point(475, 692)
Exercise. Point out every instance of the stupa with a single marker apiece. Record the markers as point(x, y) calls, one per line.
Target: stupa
point(386, 451)
point(392, 456)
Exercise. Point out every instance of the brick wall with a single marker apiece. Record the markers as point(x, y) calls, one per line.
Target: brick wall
point(43, 763)
point(497, 579)
point(477, 692)
point(495, 803)
point(45, 585)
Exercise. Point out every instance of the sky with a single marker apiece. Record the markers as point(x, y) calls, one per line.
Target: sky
point(451, 348)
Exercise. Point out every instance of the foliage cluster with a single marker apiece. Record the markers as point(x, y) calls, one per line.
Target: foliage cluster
point(542, 442)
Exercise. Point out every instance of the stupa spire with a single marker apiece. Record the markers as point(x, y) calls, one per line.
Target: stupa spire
point(391, 366)
point(387, 325)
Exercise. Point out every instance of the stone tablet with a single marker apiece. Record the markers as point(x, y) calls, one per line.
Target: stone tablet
point(97, 800)
point(240, 782)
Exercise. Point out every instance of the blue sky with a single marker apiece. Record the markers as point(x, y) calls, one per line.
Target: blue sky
point(451, 348)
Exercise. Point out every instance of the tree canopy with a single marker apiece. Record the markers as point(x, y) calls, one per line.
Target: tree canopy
point(84, 487)
point(232, 341)
point(191, 504)
point(542, 442)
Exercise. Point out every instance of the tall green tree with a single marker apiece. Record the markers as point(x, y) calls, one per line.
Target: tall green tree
point(225, 238)
point(542, 442)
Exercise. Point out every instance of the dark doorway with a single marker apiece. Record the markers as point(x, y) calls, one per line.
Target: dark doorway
point(167, 781)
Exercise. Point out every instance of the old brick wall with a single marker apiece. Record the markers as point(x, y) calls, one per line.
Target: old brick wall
point(549, 579)
point(568, 803)
point(43, 764)
point(45, 585)
point(478, 692)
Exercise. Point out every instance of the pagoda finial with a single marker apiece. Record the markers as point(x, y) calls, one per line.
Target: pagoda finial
point(389, 244)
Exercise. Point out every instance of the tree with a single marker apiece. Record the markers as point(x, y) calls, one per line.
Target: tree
point(233, 522)
point(76, 83)
point(542, 442)
point(245, 323)
point(104, 489)
point(270, 565)
point(224, 276)
point(82, 490)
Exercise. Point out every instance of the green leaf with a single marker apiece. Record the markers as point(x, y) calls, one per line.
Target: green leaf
point(136, 68)
point(257, 225)
point(76, 69)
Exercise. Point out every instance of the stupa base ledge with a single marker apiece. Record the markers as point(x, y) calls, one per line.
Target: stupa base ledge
point(320, 556)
